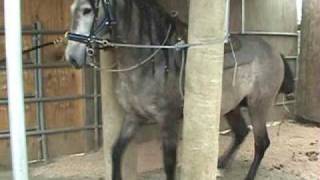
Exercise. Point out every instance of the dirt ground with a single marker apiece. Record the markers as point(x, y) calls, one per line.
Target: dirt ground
point(293, 155)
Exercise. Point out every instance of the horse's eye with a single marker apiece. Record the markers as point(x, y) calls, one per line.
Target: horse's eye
point(86, 11)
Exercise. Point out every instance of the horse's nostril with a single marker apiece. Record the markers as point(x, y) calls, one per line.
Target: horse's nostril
point(74, 62)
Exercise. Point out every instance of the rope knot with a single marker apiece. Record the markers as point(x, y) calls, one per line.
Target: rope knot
point(181, 44)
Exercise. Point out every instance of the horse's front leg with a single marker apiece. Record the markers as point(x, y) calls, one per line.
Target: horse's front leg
point(169, 142)
point(130, 125)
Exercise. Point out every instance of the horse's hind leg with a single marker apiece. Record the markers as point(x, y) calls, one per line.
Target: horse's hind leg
point(259, 110)
point(169, 142)
point(240, 130)
point(129, 128)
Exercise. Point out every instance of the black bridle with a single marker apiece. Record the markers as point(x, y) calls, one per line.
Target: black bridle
point(92, 40)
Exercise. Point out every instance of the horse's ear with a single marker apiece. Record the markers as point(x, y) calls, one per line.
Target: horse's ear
point(92, 3)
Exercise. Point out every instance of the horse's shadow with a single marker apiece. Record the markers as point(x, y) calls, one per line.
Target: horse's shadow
point(237, 171)
point(239, 167)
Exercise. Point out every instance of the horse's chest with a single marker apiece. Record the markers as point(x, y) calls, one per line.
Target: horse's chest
point(136, 101)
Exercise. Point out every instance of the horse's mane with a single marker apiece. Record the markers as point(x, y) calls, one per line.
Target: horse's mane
point(151, 21)
point(92, 3)
point(151, 13)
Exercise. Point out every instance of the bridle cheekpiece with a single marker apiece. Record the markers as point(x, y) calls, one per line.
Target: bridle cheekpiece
point(92, 40)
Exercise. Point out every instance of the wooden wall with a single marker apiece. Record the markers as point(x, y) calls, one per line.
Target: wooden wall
point(308, 89)
point(53, 15)
point(274, 16)
point(260, 15)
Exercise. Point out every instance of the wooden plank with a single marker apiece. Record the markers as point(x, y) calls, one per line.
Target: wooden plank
point(271, 15)
point(202, 105)
point(66, 143)
point(308, 101)
point(235, 15)
point(5, 155)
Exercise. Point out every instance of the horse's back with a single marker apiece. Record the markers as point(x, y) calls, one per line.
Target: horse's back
point(259, 74)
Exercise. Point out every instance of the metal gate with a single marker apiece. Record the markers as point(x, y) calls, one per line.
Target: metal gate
point(91, 96)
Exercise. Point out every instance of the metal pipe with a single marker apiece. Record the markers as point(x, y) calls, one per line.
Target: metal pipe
point(35, 60)
point(243, 16)
point(298, 59)
point(258, 33)
point(39, 94)
point(24, 27)
point(13, 39)
point(291, 57)
point(95, 109)
point(53, 99)
point(48, 66)
point(42, 66)
point(227, 21)
point(7, 131)
point(42, 32)
point(54, 131)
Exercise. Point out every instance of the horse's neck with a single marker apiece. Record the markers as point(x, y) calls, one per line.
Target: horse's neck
point(139, 22)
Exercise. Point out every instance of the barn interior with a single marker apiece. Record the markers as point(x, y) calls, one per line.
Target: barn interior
point(64, 106)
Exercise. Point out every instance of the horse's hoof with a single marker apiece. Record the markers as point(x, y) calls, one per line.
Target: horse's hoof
point(222, 163)
point(249, 178)
point(220, 173)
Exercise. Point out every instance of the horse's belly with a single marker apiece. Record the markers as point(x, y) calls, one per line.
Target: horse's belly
point(150, 101)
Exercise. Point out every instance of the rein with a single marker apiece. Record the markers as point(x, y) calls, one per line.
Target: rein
point(146, 60)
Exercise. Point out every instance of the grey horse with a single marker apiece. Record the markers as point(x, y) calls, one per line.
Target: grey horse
point(151, 92)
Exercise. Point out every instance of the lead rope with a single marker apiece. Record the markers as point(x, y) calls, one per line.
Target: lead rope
point(178, 46)
point(56, 43)
point(181, 75)
point(235, 70)
point(146, 60)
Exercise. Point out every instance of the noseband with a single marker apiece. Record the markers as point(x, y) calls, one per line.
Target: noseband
point(92, 40)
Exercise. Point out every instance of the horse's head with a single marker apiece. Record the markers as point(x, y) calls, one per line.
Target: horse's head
point(82, 15)
point(89, 17)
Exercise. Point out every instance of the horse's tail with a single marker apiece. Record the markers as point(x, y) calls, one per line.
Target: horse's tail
point(288, 83)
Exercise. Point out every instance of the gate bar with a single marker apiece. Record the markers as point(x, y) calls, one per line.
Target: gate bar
point(12, 9)
point(39, 94)
point(42, 32)
point(243, 16)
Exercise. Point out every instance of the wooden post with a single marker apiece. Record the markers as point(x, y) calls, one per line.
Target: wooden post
point(203, 90)
point(308, 91)
point(112, 115)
